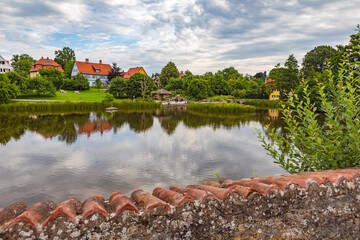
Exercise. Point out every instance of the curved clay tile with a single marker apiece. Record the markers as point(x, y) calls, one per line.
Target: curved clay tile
point(67, 209)
point(196, 194)
point(12, 211)
point(301, 182)
point(147, 201)
point(119, 203)
point(211, 183)
point(260, 187)
point(242, 190)
point(94, 204)
point(35, 214)
point(219, 193)
point(173, 198)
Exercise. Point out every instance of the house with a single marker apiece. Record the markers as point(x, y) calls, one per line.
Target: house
point(92, 71)
point(45, 63)
point(5, 65)
point(275, 94)
point(132, 71)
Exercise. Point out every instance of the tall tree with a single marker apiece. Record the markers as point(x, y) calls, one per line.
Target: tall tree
point(318, 59)
point(22, 64)
point(64, 55)
point(115, 72)
point(68, 68)
point(170, 70)
point(8, 90)
point(54, 76)
point(40, 86)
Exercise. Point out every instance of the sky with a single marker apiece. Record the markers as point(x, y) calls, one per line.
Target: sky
point(198, 35)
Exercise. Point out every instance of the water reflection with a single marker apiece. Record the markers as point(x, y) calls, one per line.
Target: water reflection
point(53, 156)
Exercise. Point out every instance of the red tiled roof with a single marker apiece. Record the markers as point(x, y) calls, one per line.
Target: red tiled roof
point(95, 127)
point(42, 213)
point(49, 63)
point(90, 68)
point(132, 71)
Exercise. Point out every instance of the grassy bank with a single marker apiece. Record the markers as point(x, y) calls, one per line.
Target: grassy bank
point(76, 106)
point(220, 108)
point(264, 104)
point(86, 95)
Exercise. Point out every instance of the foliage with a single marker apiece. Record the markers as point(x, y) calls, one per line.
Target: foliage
point(115, 72)
point(118, 87)
point(229, 72)
point(175, 84)
point(54, 76)
point(313, 145)
point(220, 108)
point(8, 90)
point(218, 86)
point(217, 176)
point(22, 64)
point(80, 82)
point(139, 85)
point(16, 79)
point(263, 103)
point(90, 95)
point(317, 59)
point(170, 70)
point(68, 68)
point(98, 84)
point(40, 86)
point(63, 56)
point(109, 97)
point(198, 88)
point(221, 97)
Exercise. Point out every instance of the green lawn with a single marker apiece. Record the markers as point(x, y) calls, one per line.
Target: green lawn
point(86, 95)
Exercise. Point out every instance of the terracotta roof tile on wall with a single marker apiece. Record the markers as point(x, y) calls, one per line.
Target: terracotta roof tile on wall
point(132, 71)
point(49, 63)
point(90, 68)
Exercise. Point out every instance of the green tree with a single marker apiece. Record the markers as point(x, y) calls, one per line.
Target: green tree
point(175, 84)
point(54, 75)
point(229, 72)
point(169, 71)
point(63, 56)
point(8, 90)
point(313, 145)
point(218, 85)
point(22, 64)
point(140, 85)
point(68, 68)
point(118, 87)
point(198, 88)
point(40, 86)
point(80, 82)
point(18, 80)
point(115, 72)
point(318, 59)
point(98, 84)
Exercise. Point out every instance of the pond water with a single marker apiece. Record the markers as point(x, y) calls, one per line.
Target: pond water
point(51, 156)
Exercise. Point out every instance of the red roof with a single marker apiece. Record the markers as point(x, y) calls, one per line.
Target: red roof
point(90, 68)
point(49, 63)
point(132, 71)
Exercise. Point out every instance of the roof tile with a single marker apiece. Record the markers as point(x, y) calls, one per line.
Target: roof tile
point(119, 203)
point(175, 199)
point(147, 201)
point(196, 194)
point(90, 68)
point(67, 209)
point(12, 211)
point(219, 193)
point(45, 62)
point(92, 205)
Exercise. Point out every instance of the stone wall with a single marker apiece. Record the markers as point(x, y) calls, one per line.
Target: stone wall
point(322, 205)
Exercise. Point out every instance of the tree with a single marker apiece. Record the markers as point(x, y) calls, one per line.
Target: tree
point(40, 86)
point(169, 71)
point(118, 87)
point(98, 84)
point(318, 59)
point(175, 84)
point(8, 90)
point(218, 86)
point(198, 88)
point(80, 82)
point(68, 68)
point(139, 85)
point(22, 64)
point(228, 72)
point(64, 55)
point(54, 76)
point(16, 79)
point(115, 72)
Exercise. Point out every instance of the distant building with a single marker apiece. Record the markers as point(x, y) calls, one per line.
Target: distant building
point(132, 71)
point(275, 94)
point(45, 63)
point(156, 79)
point(92, 71)
point(5, 65)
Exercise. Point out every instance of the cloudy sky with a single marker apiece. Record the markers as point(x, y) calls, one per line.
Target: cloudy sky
point(199, 35)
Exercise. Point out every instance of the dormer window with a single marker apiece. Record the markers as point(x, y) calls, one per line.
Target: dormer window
point(97, 70)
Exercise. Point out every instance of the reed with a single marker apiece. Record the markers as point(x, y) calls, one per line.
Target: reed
point(220, 108)
point(76, 106)
point(264, 103)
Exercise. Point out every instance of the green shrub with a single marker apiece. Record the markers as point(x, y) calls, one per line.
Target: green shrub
point(220, 108)
point(264, 103)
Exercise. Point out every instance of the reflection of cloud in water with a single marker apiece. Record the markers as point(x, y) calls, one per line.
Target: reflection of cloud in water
point(35, 169)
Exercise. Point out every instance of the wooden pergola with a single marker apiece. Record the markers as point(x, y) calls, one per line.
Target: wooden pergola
point(162, 92)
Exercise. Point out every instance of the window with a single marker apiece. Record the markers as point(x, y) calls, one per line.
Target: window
point(97, 70)
point(273, 96)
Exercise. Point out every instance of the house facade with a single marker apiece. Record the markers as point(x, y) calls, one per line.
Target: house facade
point(132, 71)
point(45, 63)
point(5, 65)
point(275, 93)
point(92, 71)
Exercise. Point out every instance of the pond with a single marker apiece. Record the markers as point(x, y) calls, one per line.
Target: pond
point(52, 156)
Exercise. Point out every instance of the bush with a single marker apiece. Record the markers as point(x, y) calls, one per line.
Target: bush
point(7, 89)
point(264, 103)
point(109, 97)
point(313, 145)
point(220, 108)
point(239, 93)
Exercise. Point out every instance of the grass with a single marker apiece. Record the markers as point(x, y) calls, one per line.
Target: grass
point(264, 104)
point(220, 108)
point(219, 97)
point(76, 106)
point(91, 95)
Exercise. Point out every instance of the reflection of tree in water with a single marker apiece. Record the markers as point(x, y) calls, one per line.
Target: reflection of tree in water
point(138, 121)
point(12, 127)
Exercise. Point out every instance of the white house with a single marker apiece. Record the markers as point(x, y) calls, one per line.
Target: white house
point(92, 71)
point(5, 65)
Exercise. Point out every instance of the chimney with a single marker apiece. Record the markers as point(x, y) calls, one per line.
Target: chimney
point(100, 61)
point(86, 60)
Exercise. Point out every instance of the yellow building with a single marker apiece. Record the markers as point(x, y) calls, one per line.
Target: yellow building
point(275, 94)
point(132, 71)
